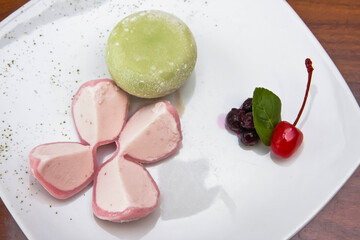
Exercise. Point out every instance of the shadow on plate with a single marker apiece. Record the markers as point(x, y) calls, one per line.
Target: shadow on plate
point(130, 230)
point(183, 189)
point(105, 152)
point(284, 162)
point(183, 194)
point(259, 148)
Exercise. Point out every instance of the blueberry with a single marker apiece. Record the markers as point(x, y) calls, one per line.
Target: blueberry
point(249, 137)
point(247, 105)
point(233, 120)
point(246, 120)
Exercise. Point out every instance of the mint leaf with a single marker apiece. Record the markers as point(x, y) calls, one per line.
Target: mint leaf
point(266, 113)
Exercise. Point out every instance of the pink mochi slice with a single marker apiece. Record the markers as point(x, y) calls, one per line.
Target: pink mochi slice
point(99, 110)
point(151, 134)
point(62, 168)
point(123, 191)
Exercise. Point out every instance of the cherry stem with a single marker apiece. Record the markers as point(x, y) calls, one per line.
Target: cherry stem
point(310, 69)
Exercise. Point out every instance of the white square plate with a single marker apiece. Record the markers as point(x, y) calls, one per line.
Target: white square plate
point(212, 188)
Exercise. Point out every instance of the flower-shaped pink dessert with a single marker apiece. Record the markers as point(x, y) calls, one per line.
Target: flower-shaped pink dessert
point(123, 188)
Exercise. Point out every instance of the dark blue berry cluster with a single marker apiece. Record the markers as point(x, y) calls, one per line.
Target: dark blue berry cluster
point(240, 120)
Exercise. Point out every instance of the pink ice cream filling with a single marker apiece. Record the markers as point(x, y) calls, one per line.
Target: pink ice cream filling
point(65, 166)
point(152, 133)
point(123, 184)
point(123, 189)
point(99, 111)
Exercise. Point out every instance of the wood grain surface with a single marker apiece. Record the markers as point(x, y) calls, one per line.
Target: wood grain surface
point(336, 24)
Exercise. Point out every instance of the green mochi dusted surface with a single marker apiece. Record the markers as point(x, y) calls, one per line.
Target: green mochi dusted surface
point(150, 54)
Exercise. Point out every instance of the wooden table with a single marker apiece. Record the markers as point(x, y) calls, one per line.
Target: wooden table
point(336, 24)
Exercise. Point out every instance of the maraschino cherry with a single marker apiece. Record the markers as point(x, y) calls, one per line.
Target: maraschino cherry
point(286, 138)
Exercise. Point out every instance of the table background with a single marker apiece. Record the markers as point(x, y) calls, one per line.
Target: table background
point(336, 24)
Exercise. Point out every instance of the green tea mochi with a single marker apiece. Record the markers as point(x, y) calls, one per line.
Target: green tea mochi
point(150, 54)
